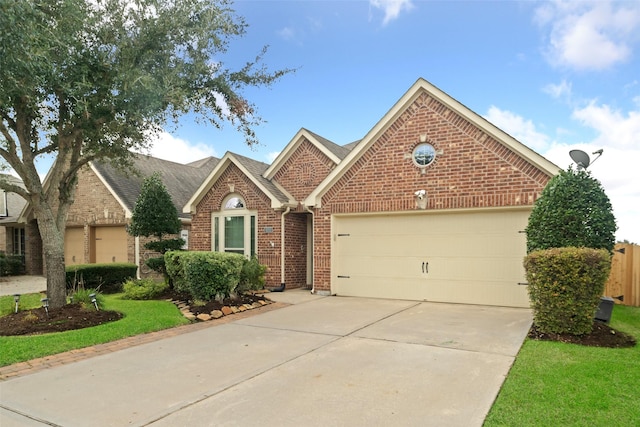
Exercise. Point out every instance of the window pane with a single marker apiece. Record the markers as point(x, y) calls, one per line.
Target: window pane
point(253, 235)
point(233, 232)
point(234, 203)
point(216, 238)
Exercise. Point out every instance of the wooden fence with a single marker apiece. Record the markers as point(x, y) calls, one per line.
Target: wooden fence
point(624, 281)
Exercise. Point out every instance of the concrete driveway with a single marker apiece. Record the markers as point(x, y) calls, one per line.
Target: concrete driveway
point(327, 361)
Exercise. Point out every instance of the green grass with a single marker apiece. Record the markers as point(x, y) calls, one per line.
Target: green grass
point(139, 317)
point(553, 383)
point(8, 305)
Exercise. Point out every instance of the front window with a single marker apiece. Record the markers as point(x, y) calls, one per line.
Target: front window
point(234, 228)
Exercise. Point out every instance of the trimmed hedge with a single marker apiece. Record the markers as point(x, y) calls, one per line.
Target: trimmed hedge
point(565, 286)
point(143, 289)
point(108, 277)
point(205, 275)
point(11, 265)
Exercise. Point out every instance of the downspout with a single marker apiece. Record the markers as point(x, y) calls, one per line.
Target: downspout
point(137, 249)
point(282, 284)
point(313, 236)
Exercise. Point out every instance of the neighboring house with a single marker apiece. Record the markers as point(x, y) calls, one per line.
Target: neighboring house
point(12, 233)
point(430, 205)
point(104, 202)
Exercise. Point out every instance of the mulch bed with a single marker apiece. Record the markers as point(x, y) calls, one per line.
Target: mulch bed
point(602, 335)
point(74, 316)
point(67, 318)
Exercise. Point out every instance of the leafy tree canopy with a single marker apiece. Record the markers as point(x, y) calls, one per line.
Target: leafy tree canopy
point(83, 80)
point(573, 210)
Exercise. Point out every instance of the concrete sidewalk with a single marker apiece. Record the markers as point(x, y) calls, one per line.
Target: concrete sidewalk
point(321, 361)
point(12, 285)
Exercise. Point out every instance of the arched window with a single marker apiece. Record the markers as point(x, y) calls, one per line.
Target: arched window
point(234, 227)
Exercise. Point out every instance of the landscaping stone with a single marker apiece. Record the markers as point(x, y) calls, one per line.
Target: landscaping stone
point(234, 309)
point(247, 306)
point(226, 310)
point(256, 305)
point(216, 314)
point(242, 308)
point(203, 317)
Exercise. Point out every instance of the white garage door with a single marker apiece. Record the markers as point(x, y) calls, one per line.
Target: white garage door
point(472, 257)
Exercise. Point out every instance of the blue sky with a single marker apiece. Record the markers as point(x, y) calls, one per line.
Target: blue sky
point(555, 75)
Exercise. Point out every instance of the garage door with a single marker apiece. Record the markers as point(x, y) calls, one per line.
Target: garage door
point(74, 246)
point(110, 244)
point(472, 257)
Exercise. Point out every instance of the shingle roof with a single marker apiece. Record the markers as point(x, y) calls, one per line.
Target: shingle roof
point(180, 180)
point(340, 151)
point(15, 203)
point(257, 170)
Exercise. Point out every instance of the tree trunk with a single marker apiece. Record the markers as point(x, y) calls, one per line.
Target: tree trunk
point(53, 248)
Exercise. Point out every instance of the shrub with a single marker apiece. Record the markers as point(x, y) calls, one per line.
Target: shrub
point(109, 277)
point(252, 275)
point(83, 297)
point(573, 210)
point(143, 289)
point(175, 270)
point(565, 285)
point(205, 275)
point(11, 265)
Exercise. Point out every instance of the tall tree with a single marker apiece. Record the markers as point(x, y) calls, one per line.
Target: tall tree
point(88, 80)
point(155, 215)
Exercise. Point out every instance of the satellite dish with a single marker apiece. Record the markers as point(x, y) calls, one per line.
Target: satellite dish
point(581, 158)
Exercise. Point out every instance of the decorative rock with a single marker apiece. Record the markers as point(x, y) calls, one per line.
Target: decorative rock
point(262, 302)
point(234, 309)
point(203, 317)
point(256, 305)
point(227, 310)
point(247, 306)
point(242, 308)
point(216, 314)
point(189, 315)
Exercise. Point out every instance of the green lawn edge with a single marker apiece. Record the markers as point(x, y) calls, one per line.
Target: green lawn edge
point(139, 317)
point(554, 383)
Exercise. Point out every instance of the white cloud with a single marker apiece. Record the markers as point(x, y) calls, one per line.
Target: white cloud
point(589, 35)
point(272, 156)
point(561, 90)
point(391, 8)
point(614, 127)
point(617, 133)
point(287, 33)
point(516, 126)
point(166, 146)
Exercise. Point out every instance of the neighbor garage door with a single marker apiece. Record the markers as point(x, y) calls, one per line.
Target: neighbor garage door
point(473, 257)
point(110, 244)
point(74, 246)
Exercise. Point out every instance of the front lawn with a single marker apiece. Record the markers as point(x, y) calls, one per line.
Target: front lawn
point(139, 317)
point(554, 383)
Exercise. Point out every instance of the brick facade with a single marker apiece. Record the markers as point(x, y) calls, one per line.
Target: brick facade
point(268, 220)
point(472, 171)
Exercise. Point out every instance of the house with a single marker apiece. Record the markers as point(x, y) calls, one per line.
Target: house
point(104, 202)
point(12, 233)
point(431, 204)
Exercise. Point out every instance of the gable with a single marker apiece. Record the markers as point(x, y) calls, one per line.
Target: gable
point(250, 171)
point(304, 170)
point(479, 165)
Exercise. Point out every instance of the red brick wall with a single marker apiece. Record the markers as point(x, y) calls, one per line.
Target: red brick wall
point(296, 250)
point(473, 171)
point(304, 170)
point(255, 200)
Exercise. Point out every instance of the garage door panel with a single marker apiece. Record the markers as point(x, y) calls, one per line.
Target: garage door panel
point(74, 246)
point(473, 257)
point(110, 244)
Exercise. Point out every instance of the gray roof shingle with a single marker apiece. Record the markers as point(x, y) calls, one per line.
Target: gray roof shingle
point(257, 169)
point(180, 180)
